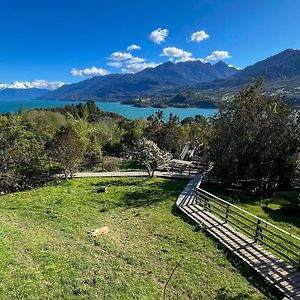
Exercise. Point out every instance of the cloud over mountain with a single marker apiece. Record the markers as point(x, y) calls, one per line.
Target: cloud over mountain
point(217, 55)
point(136, 67)
point(119, 56)
point(174, 52)
point(93, 71)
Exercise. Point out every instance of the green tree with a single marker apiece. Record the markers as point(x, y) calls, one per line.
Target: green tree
point(22, 155)
point(68, 147)
point(133, 133)
point(255, 140)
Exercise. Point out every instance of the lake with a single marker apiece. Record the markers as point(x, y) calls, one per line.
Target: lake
point(127, 111)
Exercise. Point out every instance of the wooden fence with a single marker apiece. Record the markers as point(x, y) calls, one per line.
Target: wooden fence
point(277, 240)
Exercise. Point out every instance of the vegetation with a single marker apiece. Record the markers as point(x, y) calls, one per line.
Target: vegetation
point(22, 156)
point(151, 156)
point(37, 143)
point(68, 146)
point(255, 141)
point(252, 144)
point(46, 252)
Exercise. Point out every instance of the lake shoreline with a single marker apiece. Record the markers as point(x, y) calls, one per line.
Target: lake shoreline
point(125, 110)
point(205, 104)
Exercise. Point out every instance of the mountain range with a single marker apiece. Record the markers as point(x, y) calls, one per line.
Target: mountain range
point(190, 83)
point(165, 79)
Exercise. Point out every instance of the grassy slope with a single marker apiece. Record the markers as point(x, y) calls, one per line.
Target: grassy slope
point(46, 253)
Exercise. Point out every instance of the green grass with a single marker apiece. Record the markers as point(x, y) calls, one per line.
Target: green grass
point(46, 253)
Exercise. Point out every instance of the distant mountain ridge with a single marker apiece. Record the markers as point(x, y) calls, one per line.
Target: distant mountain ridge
point(21, 94)
point(278, 70)
point(166, 78)
point(188, 83)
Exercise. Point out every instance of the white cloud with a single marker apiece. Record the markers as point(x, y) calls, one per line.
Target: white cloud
point(138, 67)
point(115, 64)
point(217, 55)
point(174, 52)
point(159, 35)
point(199, 36)
point(136, 59)
point(38, 84)
point(133, 47)
point(134, 62)
point(119, 56)
point(93, 71)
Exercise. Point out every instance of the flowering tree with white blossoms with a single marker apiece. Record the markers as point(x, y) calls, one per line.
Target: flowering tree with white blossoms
point(149, 154)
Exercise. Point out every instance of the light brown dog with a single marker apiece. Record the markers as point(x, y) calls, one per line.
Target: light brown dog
point(99, 231)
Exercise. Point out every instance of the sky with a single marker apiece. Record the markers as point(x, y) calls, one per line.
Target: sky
point(46, 43)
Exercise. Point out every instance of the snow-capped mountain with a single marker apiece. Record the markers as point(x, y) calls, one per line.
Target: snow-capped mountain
point(37, 84)
point(27, 90)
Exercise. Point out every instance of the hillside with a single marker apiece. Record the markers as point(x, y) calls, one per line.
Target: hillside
point(46, 252)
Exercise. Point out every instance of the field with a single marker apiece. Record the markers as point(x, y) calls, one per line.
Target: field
point(47, 253)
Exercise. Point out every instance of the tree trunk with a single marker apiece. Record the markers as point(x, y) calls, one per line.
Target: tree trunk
point(149, 170)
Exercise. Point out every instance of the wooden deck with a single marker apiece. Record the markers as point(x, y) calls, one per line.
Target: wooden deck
point(280, 274)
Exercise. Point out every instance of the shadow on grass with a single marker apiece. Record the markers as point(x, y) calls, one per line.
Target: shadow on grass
point(223, 294)
point(112, 181)
point(230, 195)
point(153, 193)
point(140, 192)
point(179, 214)
point(245, 270)
point(283, 215)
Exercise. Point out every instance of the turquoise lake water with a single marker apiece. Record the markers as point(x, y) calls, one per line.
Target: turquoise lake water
point(127, 111)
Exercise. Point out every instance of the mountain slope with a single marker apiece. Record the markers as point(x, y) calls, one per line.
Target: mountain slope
point(280, 70)
point(161, 80)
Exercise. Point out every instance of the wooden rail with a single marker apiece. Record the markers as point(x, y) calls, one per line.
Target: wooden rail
point(277, 240)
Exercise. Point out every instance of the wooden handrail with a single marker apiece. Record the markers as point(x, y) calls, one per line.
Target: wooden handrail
point(253, 216)
point(259, 228)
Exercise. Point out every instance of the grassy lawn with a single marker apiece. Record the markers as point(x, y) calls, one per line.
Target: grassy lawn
point(46, 253)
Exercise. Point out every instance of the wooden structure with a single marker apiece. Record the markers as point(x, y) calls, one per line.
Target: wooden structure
point(251, 238)
point(163, 174)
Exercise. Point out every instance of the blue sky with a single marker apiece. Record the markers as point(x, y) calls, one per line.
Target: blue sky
point(45, 40)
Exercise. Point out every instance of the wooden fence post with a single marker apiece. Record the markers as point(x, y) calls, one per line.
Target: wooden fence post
point(257, 230)
point(205, 203)
point(227, 213)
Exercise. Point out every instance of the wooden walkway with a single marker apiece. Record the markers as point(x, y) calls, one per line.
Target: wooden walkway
point(283, 276)
point(175, 175)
